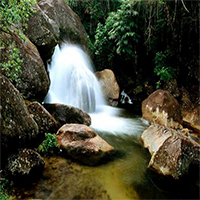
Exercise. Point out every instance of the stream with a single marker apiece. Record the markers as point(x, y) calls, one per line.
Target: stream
point(123, 175)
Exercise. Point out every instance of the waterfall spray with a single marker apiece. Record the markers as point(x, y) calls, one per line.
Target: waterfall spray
point(72, 79)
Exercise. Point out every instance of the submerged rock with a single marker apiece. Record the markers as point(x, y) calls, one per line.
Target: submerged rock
point(82, 143)
point(34, 81)
point(26, 164)
point(162, 108)
point(68, 114)
point(17, 126)
point(44, 120)
point(172, 152)
point(55, 22)
point(109, 86)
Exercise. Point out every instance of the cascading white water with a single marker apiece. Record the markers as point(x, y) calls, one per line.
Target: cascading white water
point(72, 79)
point(73, 83)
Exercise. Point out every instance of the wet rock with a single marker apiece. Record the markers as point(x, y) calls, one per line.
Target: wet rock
point(162, 108)
point(55, 22)
point(82, 143)
point(17, 126)
point(68, 114)
point(34, 81)
point(191, 112)
point(172, 87)
point(27, 164)
point(109, 86)
point(172, 152)
point(44, 120)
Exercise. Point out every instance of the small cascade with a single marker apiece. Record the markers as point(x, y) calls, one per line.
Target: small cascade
point(72, 79)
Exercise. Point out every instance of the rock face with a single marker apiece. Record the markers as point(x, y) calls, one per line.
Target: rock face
point(17, 126)
point(34, 81)
point(55, 22)
point(109, 86)
point(172, 152)
point(68, 114)
point(162, 108)
point(82, 143)
point(44, 120)
point(26, 164)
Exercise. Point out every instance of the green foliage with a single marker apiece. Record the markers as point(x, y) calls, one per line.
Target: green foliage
point(4, 183)
point(15, 12)
point(13, 16)
point(91, 12)
point(12, 67)
point(164, 72)
point(119, 36)
point(49, 145)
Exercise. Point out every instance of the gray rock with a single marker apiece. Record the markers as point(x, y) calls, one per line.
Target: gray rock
point(55, 22)
point(68, 114)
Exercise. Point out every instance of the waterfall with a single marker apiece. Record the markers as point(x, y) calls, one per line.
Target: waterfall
point(73, 83)
point(72, 79)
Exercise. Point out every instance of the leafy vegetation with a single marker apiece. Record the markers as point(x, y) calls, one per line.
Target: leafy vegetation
point(132, 34)
point(13, 17)
point(4, 183)
point(49, 145)
point(164, 72)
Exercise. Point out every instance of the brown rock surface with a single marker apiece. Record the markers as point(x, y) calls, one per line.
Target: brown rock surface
point(109, 86)
point(82, 143)
point(162, 108)
point(172, 152)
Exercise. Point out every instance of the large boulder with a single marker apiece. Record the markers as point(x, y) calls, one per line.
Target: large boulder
point(68, 114)
point(82, 143)
point(44, 120)
point(55, 22)
point(26, 164)
point(34, 81)
point(109, 86)
point(172, 152)
point(162, 108)
point(17, 126)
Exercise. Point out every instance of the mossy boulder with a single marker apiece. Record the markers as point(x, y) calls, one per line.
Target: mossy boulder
point(44, 120)
point(34, 81)
point(17, 126)
point(26, 165)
